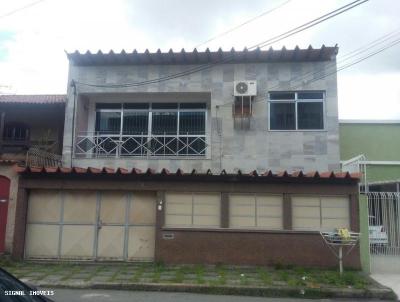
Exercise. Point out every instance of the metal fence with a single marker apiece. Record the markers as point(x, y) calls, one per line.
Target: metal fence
point(107, 145)
point(384, 231)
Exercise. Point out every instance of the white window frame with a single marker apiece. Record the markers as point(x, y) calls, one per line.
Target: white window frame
point(150, 111)
point(296, 100)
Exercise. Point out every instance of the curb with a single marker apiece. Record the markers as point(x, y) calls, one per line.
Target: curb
point(382, 293)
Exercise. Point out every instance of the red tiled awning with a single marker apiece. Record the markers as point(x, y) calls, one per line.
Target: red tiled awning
point(297, 176)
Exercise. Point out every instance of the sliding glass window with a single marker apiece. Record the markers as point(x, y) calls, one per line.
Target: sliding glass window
point(303, 110)
point(155, 128)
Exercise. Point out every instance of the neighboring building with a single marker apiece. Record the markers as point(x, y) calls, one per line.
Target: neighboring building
point(373, 145)
point(31, 128)
point(192, 169)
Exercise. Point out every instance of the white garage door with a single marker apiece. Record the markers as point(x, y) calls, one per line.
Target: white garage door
point(106, 225)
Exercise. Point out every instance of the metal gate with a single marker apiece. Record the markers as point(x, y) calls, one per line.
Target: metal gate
point(90, 225)
point(384, 231)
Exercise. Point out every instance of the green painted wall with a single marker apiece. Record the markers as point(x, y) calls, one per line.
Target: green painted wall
point(375, 141)
point(383, 172)
point(364, 239)
point(378, 142)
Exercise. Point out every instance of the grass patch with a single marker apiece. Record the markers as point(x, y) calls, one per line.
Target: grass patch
point(139, 272)
point(180, 274)
point(199, 269)
point(264, 276)
point(158, 269)
point(219, 275)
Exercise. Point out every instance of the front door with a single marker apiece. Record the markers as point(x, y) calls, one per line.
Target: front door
point(4, 195)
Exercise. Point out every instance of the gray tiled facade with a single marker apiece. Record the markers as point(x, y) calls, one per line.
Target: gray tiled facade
point(254, 149)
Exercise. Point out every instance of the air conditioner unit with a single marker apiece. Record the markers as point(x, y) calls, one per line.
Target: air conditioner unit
point(245, 88)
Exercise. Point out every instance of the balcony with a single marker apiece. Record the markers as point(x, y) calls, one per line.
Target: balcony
point(96, 145)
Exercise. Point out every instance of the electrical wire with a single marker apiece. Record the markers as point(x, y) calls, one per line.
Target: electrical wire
point(270, 41)
point(342, 58)
point(21, 8)
point(243, 24)
point(394, 43)
point(343, 67)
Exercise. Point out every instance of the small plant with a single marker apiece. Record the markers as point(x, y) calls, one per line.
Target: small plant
point(180, 274)
point(199, 269)
point(243, 279)
point(138, 273)
point(264, 276)
point(284, 276)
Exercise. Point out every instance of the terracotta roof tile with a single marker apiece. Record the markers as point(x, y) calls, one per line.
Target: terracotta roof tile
point(122, 171)
point(329, 175)
point(94, 170)
point(108, 170)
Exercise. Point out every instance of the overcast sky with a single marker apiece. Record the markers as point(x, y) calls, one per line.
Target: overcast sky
point(33, 40)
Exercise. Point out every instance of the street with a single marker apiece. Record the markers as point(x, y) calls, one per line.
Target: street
point(80, 295)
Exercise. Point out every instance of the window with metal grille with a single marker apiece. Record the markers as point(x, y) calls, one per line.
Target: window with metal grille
point(16, 132)
point(303, 110)
point(158, 128)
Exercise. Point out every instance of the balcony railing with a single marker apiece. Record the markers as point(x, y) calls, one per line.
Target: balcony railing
point(95, 145)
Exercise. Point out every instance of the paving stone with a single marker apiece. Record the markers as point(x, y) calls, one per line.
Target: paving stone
point(52, 278)
point(100, 279)
point(146, 280)
point(105, 273)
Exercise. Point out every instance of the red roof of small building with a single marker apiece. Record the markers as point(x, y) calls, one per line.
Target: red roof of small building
point(33, 98)
point(268, 175)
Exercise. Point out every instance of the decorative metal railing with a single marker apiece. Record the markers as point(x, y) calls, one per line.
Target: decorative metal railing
point(36, 157)
point(94, 145)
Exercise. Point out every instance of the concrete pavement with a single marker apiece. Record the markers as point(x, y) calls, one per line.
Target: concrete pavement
point(389, 280)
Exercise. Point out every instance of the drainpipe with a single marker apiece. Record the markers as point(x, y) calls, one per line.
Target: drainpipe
point(73, 85)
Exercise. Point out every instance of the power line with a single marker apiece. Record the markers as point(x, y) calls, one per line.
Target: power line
point(362, 49)
point(394, 43)
point(348, 65)
point(270, 41)
point(343, 58)
point(262, 44)
point(243, 24)
point(21, 8)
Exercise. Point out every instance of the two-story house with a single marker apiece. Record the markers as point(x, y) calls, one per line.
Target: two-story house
point(193, 157)
point(31, 132)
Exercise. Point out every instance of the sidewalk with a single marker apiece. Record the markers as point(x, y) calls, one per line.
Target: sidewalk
point(253, 281)
point(390, 280)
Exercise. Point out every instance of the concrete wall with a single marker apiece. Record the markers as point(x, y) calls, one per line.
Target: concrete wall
point(257, 148)
point(378, 142)
point(8, 171)
point(375, 141)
